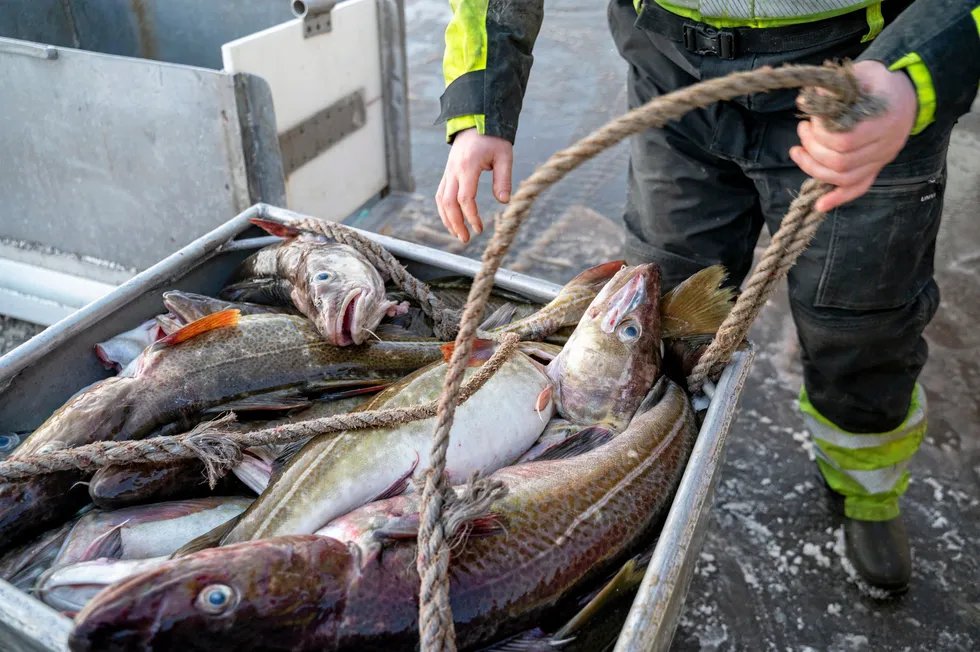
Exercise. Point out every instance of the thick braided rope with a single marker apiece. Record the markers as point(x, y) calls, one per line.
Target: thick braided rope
point(793, 236)
point(435, 615)
point(220, 447)
point(446, 319)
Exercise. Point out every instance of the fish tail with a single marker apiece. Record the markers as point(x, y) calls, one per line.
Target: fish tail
point(697, 306)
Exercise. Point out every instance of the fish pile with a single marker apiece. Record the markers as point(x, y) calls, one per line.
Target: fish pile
point(311, 545)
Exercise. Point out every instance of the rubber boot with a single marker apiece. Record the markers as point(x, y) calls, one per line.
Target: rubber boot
point(878, 550)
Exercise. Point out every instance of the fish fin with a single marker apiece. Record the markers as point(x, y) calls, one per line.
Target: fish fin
point(407, 527)
point(274, 228)
point(698, 305)
point(222, 319)
point(286, 453)
point(626, 580)
point(482, 350)
point(500, 317)
point(399, 486)
point(582, 441)
point(107, 545)
point(286, 399)
point(356, 391)
point(544, 398)
point(210, 539)
point(596, 277)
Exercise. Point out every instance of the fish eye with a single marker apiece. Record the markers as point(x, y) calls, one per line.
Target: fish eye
point(7, 443)
point(323, 276)
point(217, 599)
point(629, 331)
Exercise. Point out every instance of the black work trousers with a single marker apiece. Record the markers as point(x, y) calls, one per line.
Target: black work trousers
point(700, 190)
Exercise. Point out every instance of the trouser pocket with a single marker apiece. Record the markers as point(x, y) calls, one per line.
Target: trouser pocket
point(882, 245)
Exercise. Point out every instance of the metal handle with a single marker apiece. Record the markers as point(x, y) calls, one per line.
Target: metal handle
point(315, 14)
point(28, 49)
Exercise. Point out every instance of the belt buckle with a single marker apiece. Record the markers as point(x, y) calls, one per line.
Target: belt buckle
point(707, 40)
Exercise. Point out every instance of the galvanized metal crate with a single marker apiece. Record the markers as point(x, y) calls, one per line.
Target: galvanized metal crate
point(40, 375)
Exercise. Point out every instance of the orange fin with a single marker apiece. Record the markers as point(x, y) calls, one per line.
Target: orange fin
point(482, 350)
point(543, 398)
point(274, 228)
point(203, 325)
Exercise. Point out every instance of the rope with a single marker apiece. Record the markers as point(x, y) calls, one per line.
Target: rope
point(436, 627)
point(220, 448)
point(445, 318)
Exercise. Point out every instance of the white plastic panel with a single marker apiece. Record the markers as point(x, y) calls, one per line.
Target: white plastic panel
point(309, 74)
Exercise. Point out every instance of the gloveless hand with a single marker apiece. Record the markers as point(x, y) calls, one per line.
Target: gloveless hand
point(852, 160)
point(471, 155)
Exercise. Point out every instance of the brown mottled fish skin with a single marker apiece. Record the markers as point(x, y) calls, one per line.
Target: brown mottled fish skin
point(261, 353)
point(333, 284)
point(575, 520)
point(603, 382)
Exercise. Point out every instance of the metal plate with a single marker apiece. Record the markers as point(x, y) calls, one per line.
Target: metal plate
point(321, 131)
point(96, 149)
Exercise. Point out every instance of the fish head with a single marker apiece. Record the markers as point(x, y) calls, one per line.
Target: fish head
point(346, 294)
point(234, 597)
point(613, 357)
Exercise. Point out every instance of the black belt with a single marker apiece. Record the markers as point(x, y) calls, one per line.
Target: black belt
point(732, 42)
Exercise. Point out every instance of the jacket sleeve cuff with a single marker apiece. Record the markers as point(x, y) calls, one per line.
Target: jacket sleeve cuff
point(458, 124)
point(917, 71)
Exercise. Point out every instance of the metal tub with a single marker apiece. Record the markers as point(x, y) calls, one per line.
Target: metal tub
point(39, 376)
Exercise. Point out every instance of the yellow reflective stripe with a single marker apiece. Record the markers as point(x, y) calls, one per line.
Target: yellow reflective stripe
point(918, 72)
point(466, 39)
point(874, 458)
point(637, 5)
point(721, 21)
point(459, 123)
point(976, 18)
point(876, 22)
point(916, 404)
point(860, 504)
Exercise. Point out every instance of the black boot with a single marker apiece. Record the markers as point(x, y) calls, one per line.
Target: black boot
point(878, 550)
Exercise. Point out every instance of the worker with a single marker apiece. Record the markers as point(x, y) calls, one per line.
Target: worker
point(700, 189)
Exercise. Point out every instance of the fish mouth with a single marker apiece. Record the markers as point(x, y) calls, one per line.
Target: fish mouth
point(621, 296)
point(346, 325)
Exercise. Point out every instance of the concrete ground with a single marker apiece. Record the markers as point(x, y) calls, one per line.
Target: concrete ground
point(771, 575)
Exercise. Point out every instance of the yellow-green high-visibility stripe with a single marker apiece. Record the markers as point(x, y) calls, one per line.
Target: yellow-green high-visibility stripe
point(754, 13)
point(976, 18)
point(466, 51)
point(919, 74)
point(876, 22)
point(870, 470)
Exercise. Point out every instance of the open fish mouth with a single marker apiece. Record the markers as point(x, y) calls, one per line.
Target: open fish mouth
point(346, 326)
